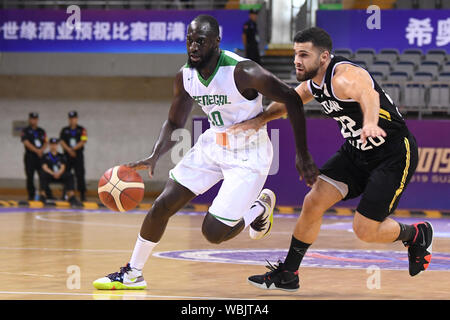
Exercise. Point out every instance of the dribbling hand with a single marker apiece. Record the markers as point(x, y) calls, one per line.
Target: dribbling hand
point(144, 164)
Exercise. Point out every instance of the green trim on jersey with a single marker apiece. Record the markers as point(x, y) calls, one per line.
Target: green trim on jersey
point(208, 81)
point(224, 61)
point(224, 219)
point(228, 61)
point(173, 177)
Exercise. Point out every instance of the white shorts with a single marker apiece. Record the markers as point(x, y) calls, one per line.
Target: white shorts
point(244, 171)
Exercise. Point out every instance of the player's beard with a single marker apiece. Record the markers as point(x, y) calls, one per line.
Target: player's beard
point(308, 74)
point(203, 60)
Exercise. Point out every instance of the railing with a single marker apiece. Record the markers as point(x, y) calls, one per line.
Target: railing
point(111, 4)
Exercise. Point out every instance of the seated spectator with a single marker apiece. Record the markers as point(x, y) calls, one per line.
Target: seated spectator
point(54, 165)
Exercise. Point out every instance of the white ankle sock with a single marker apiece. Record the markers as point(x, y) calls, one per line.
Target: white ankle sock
point(251, 214)
point(141, 252)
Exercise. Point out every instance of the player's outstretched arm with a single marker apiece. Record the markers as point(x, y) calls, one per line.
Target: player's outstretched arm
point(249, 75)
point(275, 110)
point(178, 114)
point(352, 82)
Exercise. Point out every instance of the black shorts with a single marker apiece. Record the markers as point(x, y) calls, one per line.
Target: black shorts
point(66, 179)
point(380, 176)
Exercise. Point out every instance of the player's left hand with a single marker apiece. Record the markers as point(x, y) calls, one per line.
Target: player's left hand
point(371, 130)
point(307, 168)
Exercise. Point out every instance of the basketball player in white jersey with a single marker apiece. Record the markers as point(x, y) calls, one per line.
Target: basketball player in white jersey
point(229, 89)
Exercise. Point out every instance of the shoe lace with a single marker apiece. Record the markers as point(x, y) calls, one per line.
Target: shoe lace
point(119, 275)
point(274, 268)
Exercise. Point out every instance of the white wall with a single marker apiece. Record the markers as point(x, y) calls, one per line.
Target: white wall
point(90, 64)
point(118, 132)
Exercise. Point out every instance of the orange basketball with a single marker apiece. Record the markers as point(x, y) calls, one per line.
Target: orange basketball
point(121, 188)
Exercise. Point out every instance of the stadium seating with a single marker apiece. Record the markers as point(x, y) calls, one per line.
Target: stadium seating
point(444, 76)
point(446, 67)
point(429, 66)
point(344, 52)
point(404, 66)
point(360, 63)
point(399, 76)
point(415, 97)
point(416, 81)
point(404, 4)
point(367, 55)
point(390, 55)
point(378, 76)
point(427, 4)
point(436, 55)
point(414, 55)
point(423, 76)
point(422, 4)
point(394, 90)
point(439, 96)
point(282, 66)
point(383, 67)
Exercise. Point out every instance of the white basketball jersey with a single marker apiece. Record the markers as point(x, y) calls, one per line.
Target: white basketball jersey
point(218, 95)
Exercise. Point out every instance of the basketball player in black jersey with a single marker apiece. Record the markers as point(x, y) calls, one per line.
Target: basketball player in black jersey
point(377, 160)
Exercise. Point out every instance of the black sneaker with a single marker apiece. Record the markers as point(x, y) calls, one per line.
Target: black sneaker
point(74, 202)
point(277, 278)
point(42, 199)
point(420, 248)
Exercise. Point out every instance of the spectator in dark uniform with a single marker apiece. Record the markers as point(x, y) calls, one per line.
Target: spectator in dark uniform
point(54, 170)
point(35, 141)
point(73, 138)
point(250, 37)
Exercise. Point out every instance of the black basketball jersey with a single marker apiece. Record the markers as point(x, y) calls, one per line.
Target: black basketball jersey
point(349, 115)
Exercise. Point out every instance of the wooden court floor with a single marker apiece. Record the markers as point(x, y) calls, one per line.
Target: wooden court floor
point(54, 253)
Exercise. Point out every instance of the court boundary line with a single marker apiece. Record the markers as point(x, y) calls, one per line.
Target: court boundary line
point(282, 210)
point(125, 294)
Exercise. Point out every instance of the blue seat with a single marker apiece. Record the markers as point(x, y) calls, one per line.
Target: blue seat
point(398, 76)
point(423, 76)
point(429, 66)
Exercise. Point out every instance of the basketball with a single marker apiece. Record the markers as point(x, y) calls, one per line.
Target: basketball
point(121, 188)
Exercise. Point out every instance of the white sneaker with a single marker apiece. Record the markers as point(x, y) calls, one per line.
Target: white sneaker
point(262, 225)
point(126, 279)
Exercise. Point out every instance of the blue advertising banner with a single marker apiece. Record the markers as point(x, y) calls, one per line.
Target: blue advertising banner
point(401, 29)
point(114, 31)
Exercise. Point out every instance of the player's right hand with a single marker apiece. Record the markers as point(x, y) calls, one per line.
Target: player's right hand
point(144, 164)
point(307, 168)
point(249, 127)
